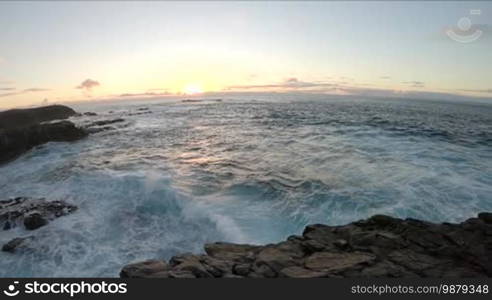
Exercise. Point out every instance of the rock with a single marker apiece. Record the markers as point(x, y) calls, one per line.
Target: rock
point(380, 246)
point(104, 122)
point(32, 213)
point(14, 142)
point(486, 217)
point(300, 272)
point(90, 114)
point(275, 258)
point(19, 118)
point(330, 262)
point(233, 252)
point(34, 221)
point(17, 244)
point(149, 268)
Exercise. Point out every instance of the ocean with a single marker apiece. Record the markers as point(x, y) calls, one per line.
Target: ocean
point(177, 174)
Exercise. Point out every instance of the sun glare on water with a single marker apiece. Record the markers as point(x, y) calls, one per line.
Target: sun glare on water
point(192, 89)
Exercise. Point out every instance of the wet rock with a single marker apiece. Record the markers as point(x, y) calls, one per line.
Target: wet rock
point(104, 122)
point(32, 213)
point(17, 244)
point(90, 114)
point(14, 142)
point(34, 221)
point(380, 246)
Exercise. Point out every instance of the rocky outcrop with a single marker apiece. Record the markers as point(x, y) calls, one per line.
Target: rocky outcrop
point(380, 246)
point(101, 125)
point(31, 213)
point(14, 142)
point(18, 118)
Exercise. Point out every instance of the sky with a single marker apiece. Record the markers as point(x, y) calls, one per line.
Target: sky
point(70, 51)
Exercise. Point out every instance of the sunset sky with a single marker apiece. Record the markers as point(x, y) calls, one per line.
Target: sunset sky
point(68, 51)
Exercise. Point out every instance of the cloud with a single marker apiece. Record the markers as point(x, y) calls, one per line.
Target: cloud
point(25, 91)
point(291, 83)
point(385, 77)
point(486, 91)
point(146, 94)
point(35, 90)
point(88, 84)
point(414, 84)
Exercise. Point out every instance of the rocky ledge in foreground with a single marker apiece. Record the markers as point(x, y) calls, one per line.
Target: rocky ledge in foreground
point(23, 129)
point(380, 246)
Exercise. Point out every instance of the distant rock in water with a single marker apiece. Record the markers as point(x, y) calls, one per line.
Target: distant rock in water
point(17, 118)
point(32, 213)
point(380, 246)
point(105, 122)
point(14, 142)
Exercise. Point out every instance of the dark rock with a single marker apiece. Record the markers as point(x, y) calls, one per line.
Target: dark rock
point(104, 122)
point(19, 118)
point(486, 217)
point(14, 142)
point(17, 244)
point(33, 213)
point(89, 114)
point(380, 246)
point(34, 221)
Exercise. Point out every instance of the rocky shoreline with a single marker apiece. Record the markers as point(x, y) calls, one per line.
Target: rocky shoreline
point(380, 246)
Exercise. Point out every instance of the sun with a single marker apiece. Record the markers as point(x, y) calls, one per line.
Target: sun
point(192, 89)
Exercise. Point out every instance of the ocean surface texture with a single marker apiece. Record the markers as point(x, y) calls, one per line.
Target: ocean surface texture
point(175, 175)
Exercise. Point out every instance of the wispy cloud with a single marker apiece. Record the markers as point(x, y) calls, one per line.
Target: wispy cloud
point(385, 77)
point(20, 92)
point(415, 84)
point(88, 84)
point(485, 91)
point(146, 94)
point(35, 90)
point(291, 83)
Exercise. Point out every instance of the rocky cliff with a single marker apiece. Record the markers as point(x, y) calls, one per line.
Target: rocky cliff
point(23, 129)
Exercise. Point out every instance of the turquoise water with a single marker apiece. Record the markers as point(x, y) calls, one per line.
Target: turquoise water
point(244, 170)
